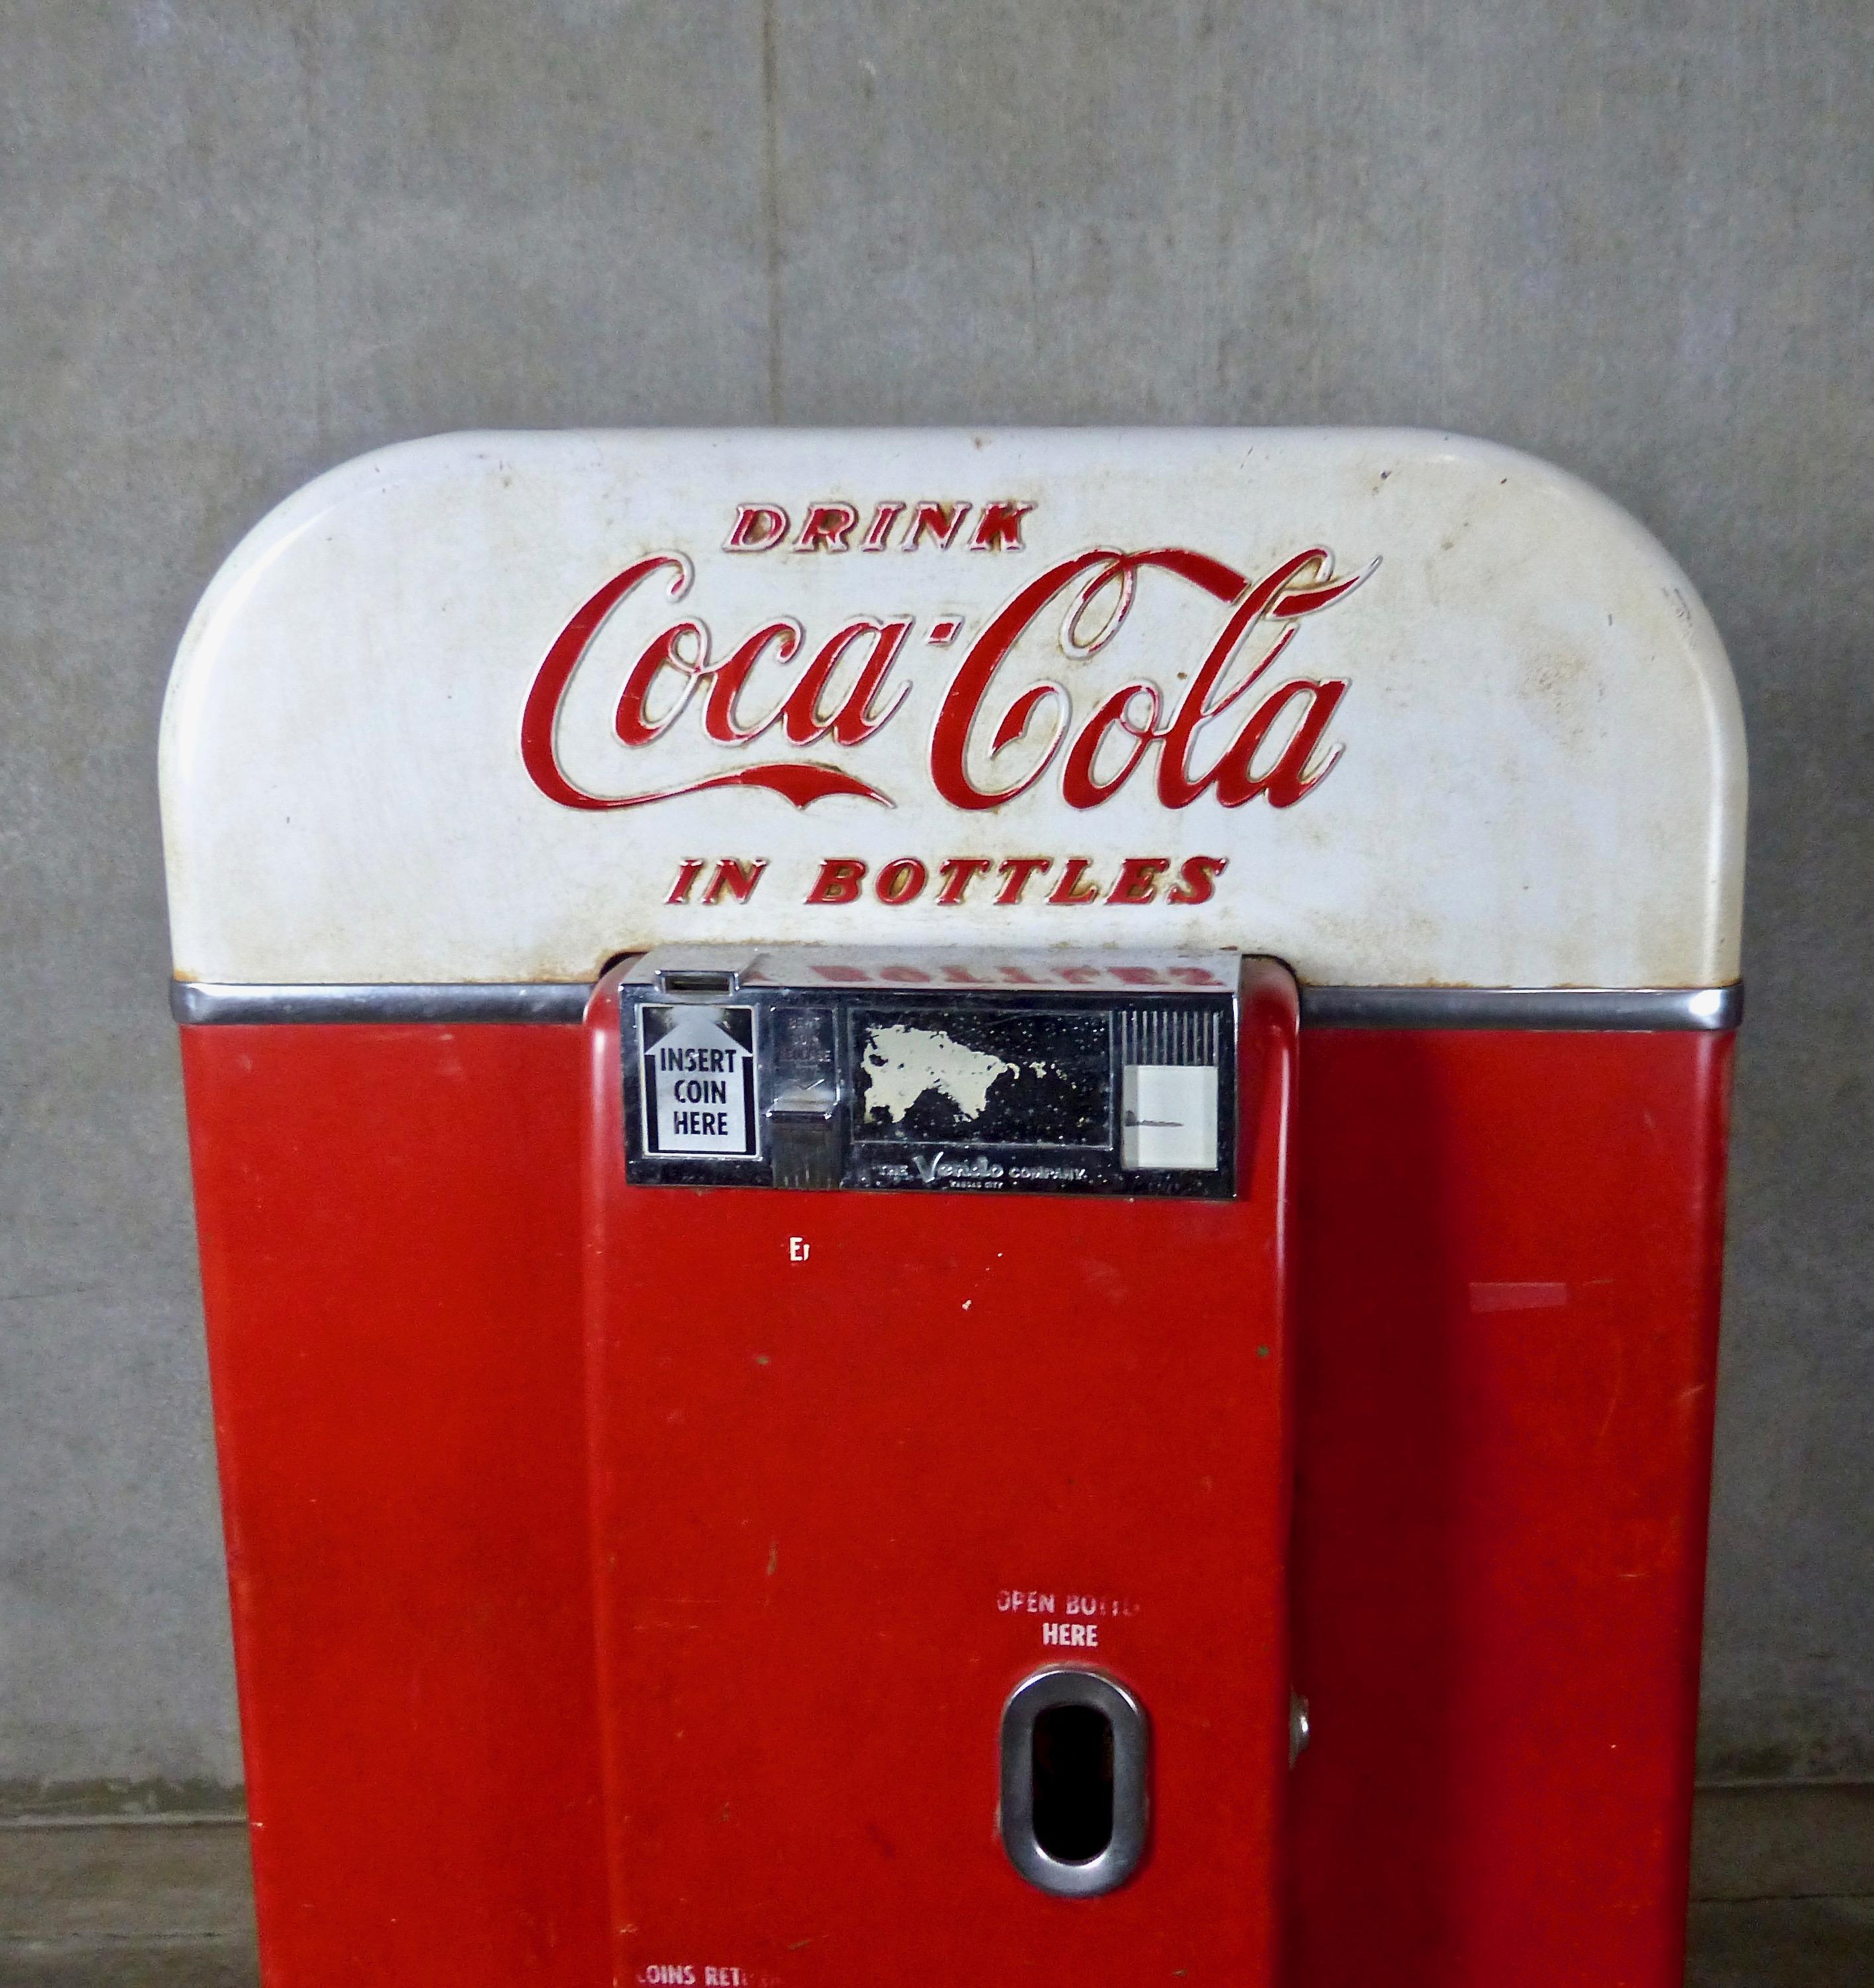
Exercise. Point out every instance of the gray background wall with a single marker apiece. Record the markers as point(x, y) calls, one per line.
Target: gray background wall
point(245, 240)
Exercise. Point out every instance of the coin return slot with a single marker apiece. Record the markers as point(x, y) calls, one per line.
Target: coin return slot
point(1074, 1766)
point(705, 980)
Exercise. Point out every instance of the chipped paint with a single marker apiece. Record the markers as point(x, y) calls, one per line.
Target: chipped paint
point(903, 1064)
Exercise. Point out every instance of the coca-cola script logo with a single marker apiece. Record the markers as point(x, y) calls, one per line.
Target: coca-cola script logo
point(1007, 719)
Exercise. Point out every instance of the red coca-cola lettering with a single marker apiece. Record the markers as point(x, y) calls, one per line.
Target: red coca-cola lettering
point(800, 782)
point(1286, 594)
point(735, 878)
point(1137, 882)
point(1197, 879)
point(860, 713)
point(1000, 528)
point(878, 532)
point(684, 650)
point(938, 522)
point(838, 881)
point(959, 873)
point(1016, 872)
point(842, 879)
point(901, 881)
point(827, 528)
point(856, 683)
point(1074, 888)
point(721, 720)
point(1080, 786)
point(757, 527)
point(1280, 596)
point(687, 871)
point(828, 525)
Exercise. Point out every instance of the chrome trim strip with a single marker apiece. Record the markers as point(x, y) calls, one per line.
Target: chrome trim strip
point(1623, 1008)
point(199, 1002)
point(1626, 1008)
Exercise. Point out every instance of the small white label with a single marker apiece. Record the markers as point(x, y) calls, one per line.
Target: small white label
point(698, 1081)
point(1170, 1117)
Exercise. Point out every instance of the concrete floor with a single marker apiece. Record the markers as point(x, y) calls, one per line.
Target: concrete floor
point(1784, 1879)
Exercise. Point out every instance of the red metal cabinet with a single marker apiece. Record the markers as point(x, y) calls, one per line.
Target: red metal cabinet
point(841, 1516)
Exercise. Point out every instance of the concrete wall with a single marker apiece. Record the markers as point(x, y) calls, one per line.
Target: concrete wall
point(244, 239)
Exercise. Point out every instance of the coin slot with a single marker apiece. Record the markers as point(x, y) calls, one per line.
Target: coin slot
point(706, 980)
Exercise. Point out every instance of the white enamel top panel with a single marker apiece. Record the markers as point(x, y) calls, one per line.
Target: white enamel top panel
point(1510, 755)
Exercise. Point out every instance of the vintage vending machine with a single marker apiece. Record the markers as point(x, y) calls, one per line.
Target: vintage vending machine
point(960, 1198)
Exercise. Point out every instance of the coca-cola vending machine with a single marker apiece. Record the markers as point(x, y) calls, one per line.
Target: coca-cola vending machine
point(960, 1198)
